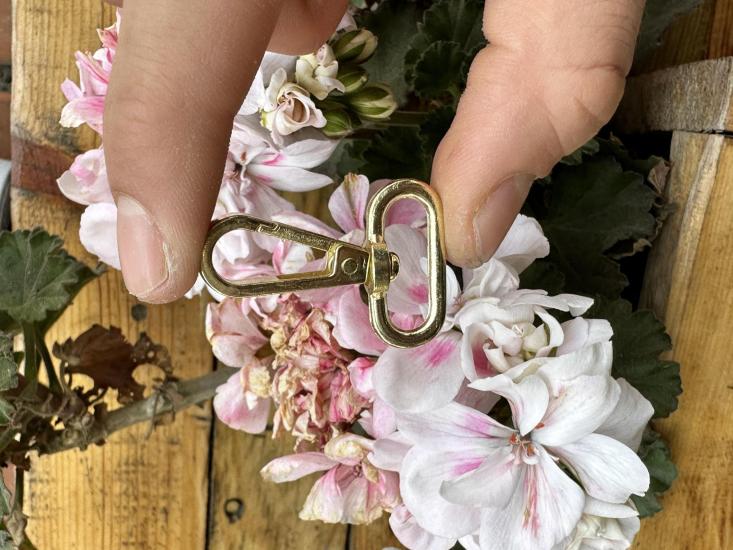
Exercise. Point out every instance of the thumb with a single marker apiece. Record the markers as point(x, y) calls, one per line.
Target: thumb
point(180, 74)
point(552, 75)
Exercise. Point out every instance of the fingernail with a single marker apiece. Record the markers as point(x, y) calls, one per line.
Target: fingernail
point(141, 247)
point(494, 218)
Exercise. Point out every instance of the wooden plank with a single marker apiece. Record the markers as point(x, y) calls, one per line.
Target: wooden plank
point(5, 34)
point(132, 492)
point(688, 285)
point(269, 514)
point(704, 33)
point(697, 97)
point(46, 35)
point(376, 535)
point(4, 125)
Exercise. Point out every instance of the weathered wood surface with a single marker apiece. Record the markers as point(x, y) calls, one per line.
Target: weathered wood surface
point(704, 33)
point(688, 285)
point(697, 97)
point(5, 34)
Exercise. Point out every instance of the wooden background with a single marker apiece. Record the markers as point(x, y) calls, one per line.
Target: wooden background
point(174, 490)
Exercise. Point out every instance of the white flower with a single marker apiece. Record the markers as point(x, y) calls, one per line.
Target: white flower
point(317, 72)
point(288, 108)
point(603, 526)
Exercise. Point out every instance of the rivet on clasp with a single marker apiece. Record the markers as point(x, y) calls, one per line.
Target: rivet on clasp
point(372, 264)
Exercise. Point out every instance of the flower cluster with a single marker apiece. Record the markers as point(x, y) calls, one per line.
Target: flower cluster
point(280, 134)
point(506, 431)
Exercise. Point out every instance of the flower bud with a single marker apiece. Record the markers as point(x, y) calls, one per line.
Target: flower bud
point(353, 78)
point(374, 102)
point(357, 46)
point(339, 123)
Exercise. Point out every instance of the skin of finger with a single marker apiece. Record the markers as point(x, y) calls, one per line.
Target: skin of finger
point(303, 24)
point(552, 75)
point(306, 24)
point(181, 72)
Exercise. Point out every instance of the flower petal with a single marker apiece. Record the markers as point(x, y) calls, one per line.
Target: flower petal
point(450, 425)
point(528, 399)
point(422, 378)
point(542, 513)
point(352, 328)
point(608, 469)
point(241, 410)
point(98, 232)
point(421, 477)
point(580, 333)
point(523, 244)
point(389, 451)
point(348, 202)
point(627, 421)
point(409, 291)
point(325, 502)
point(292, 467)
point(414, 537)
point(576, 409)
point(491, 484)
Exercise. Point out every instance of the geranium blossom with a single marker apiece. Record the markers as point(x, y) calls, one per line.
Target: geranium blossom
point(351, 491)
point(468, 473)
point(288, 108)
point(317, 72)
point(86, 101)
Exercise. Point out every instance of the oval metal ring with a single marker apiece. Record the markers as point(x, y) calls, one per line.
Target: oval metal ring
point(379, 316)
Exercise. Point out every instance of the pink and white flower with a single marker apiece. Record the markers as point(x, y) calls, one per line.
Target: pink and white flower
point(86, 100)
point(351, 491)
point(288, 108)
point(243, 402)
point(468, 474)
point(317, 72)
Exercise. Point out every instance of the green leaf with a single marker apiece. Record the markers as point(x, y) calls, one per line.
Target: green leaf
point(456, 21)
point(439, 69)
point(392, 23)
point(434, 128)
point(6, 499)
point(8, 366)
point(588, 209)
point(395, 153)
point(38, 277)
point(7, 411)
point(638, 341)
point(662, 471)
point(658, 15)
point(576, 157)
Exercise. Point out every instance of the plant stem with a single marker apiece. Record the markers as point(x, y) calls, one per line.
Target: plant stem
point(185, 394)
point(31, 355)
point(53, 380)
point(403, 118)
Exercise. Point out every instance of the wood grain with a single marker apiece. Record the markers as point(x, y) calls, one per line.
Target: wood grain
point(5, 34)
point(688, 285)
point(4, 125)
point(697, 97)
point(270, 511)
point(704, 33)
point(47, 33)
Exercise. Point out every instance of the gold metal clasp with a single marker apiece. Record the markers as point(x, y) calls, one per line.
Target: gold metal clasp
point(372, 264)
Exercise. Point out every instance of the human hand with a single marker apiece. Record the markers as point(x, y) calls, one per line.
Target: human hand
point(552, 76)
